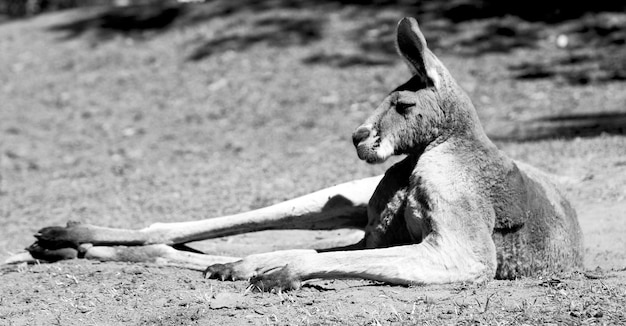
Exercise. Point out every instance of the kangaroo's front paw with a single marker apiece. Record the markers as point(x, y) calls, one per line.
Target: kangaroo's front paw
point(278, 279)
point(227, 272)
point(267, 271)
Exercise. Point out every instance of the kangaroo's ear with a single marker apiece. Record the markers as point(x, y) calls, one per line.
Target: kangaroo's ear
point(412, 47)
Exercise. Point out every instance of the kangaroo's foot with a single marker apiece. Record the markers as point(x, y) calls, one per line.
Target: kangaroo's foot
point(58, 237)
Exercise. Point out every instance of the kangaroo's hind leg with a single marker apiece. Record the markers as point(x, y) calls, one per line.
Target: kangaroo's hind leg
point(343, 205)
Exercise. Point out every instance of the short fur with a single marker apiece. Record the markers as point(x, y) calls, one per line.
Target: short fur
point(455, 209)
point(459, 180)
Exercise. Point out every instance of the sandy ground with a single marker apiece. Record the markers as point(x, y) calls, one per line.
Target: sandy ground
point(125, 133)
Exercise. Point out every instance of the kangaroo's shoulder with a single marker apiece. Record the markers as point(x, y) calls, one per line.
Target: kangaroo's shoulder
point(462, 160)
point(452, 179)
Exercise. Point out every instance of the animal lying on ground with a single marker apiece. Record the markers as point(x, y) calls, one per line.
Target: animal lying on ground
point(456, 209)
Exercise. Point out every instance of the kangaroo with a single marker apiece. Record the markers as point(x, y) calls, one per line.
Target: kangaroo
point(455, 209)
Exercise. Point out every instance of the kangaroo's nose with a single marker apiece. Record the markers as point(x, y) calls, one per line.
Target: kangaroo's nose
point(360, 134)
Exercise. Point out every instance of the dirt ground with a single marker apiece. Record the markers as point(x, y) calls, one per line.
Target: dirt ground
point(210, 115)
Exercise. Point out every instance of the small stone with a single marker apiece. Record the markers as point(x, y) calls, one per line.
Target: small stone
point(228, 300)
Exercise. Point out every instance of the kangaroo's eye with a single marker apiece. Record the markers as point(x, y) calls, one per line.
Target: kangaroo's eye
point(402, 107)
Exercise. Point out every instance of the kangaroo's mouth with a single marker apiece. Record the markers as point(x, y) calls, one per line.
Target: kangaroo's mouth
point(368, 150)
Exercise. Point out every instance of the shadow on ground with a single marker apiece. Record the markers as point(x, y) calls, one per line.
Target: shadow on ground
point(275, 32)
point(562, 126)
point(505, 27)
point(131, 20)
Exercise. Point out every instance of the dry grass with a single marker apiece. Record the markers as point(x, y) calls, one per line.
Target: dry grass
point(93, 293)
point(203, 119)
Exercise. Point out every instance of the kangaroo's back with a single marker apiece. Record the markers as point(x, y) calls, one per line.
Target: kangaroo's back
point(536, 229)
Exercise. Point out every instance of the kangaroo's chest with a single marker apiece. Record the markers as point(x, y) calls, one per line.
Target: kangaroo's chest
point(386, 210)
point(399, 211)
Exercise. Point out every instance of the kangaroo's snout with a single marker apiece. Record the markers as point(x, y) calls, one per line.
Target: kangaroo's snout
point(360, 134)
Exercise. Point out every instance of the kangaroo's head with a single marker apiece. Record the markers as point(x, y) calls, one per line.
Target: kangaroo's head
point(425, 110)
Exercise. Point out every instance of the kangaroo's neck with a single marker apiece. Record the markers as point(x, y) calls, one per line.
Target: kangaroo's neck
point(462, 120)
